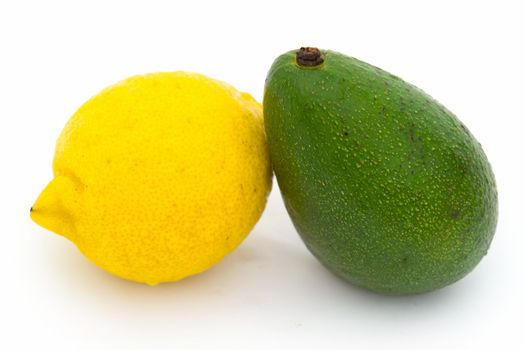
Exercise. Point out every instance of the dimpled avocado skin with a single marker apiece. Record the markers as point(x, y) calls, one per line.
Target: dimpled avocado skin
point(386, 187)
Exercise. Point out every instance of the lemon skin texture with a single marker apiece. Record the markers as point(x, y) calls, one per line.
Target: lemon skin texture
point(159, 176)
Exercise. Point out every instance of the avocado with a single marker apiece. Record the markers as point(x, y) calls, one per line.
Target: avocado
point(386, 187)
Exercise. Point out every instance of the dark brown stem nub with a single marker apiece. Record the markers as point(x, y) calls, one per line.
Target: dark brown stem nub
point(309, 57)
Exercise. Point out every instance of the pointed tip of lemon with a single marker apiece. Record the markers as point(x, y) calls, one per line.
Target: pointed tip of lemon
point(33, 213)
point(55, 206)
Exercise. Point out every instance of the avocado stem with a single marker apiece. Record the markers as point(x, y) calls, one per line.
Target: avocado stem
point(309, 57)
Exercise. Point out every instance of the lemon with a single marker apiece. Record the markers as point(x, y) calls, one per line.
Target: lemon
point(159, 176)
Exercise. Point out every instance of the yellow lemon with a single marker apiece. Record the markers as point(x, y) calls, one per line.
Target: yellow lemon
point(159, 176)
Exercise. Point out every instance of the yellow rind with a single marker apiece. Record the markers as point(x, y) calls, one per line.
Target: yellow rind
point(159, 176)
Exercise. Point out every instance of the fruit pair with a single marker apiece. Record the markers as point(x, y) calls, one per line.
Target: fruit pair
point(160, 176)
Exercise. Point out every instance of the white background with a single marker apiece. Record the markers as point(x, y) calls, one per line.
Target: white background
point(270, 293)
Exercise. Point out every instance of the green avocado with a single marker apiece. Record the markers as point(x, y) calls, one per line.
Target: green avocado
point(386, 187)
